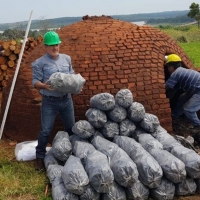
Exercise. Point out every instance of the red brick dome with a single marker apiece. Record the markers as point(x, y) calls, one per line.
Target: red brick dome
point(110, 54)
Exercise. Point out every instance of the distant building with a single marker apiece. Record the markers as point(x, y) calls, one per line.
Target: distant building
point(140, 23)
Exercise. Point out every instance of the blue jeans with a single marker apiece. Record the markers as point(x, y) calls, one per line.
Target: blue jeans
point(51, 106)
point(191, 107)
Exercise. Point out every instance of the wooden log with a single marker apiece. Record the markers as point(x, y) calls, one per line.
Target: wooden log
point(2, 60)
point(4, 83)
point(31, 39)
point(11, 63)
point(4, 67)
point(6, 45)
point(17, 51)
point(12, 47)
point(12, 56)
point(13, 42)
point(7, 52)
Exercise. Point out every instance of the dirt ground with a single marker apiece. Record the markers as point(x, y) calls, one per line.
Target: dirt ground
point(7, 147)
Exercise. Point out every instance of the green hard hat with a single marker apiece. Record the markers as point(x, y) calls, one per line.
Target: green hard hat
point(51, 38)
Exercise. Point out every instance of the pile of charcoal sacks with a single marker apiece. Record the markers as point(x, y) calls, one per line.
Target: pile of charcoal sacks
point(120, 152)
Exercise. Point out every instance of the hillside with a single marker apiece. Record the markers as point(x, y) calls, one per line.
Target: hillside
point(150, 18)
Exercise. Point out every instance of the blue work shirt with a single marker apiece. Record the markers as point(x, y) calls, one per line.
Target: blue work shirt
point(186, 79)
point(45, 66)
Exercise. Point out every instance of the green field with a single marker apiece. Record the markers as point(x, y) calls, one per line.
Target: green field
point(188, 38)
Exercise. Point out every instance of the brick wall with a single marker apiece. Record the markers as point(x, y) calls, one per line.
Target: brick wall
point(110, 54)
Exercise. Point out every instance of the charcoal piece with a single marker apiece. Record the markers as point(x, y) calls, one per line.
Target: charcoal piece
point(165, 190)
point(173, 168)
point(150, 123)
point(96, 117)
point(103, 101)
point(148, 142)
point(136, 112)
point(115, 192)
point(190, 158)
point(186, 187)
point(54, 172)
point(126, 128)
point(100, 175)
point(59, 191)
point(150, 172)
point(110, 129)
point(74, 176)
point(117, 114)
point(90, 194)
point(83, 129)
point(124, 98)
point(124, 169)
point(137, 191)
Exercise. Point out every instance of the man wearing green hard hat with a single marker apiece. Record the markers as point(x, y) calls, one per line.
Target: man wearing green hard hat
point(53, 101)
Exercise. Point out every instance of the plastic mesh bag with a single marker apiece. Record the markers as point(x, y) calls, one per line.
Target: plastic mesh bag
point(90, 194)
point(173, 168)
point(74, 176)
point(115, 192)
point(150, 123)
point(100, 175)
point(66, 83)
point(124, 98)
point(186, 187)
point(148, 142)
point(96, 117)
point(83, 129)
point(136, 112)
point(73, 138)
point(54, 172)
point(110, 129)
point(190, 158)
point(103, 101)
point(165, 190)
point(150, 172)
point(137, 191)
point(126, 128)
point(59, 191)
point(124, 169)
point(117, 114)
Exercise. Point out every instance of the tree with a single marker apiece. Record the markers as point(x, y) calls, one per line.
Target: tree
point(194, 12)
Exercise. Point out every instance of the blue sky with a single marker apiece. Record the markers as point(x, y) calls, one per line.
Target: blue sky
point(19, 10)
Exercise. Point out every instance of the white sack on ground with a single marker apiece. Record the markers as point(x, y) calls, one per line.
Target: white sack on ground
point(136, 112)
point(124, 98)
point(103, 101)
point(165, 190)
point(116, 192)
point(66, 83)
point(190, 158)
point(96, 117)
point(100, 175)
point(148, 142)
point(74, 176)
point(124, 169)
point(59, 191)
point(83, 129)
point(90, 194)
point(173, 168)
point(150, 172)
point(150, 123)
point(137, 191)
point(186, 187)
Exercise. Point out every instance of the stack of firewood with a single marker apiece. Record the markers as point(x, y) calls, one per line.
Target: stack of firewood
point(9, 54)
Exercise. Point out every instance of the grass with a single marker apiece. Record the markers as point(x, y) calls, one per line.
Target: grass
point(20, 180)
point(188, 38)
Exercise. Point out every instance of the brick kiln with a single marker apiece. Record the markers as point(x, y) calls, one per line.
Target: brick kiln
point(110, 54)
